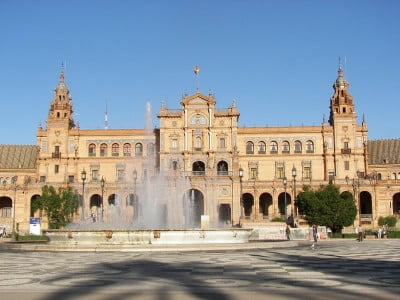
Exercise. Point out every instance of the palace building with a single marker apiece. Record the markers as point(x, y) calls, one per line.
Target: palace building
point(236, 175)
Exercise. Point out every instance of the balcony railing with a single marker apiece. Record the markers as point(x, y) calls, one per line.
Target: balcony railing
point(366, 216)
point(346, 151)
point(198, 173)
point(56, 155)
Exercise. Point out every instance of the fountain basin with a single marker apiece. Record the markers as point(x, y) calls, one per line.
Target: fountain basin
point(146, 236)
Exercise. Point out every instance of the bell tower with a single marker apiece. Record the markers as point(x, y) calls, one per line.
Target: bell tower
point(348, 140)
point(60, 112)
point(342, 106)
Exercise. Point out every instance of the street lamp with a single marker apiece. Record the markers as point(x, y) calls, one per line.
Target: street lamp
point(356, 187)
point(241, 194)
point(294, 174)
point(135, 204)
point(102, 183)
point(14, 182)
point(285, 185)
point(83, 178)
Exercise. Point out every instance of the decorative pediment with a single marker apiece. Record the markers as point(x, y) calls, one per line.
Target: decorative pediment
point(198, 100)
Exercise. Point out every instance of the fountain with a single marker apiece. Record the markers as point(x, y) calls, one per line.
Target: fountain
point(164, 213)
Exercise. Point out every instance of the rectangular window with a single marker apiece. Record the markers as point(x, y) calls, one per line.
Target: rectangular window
point(120, 175)
point(346, 145)
point(174, 144)
point(42, 179)
point(56, 168)
point(253, 173)
point(222, 143)
point(346, 165)
point(280, 172)
point(6, 212)
point(307, 173)
point(95, 175)
point(71, 146)
point(71, 179)
point(44, 146)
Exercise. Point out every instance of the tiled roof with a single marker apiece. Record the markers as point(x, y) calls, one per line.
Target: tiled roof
point(382, 152)
point(18, 156)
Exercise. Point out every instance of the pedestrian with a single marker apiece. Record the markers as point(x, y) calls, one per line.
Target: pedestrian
point(360, 233)
point(288, 232)
point(3, 233)
point(379, 232)
point(315, 236)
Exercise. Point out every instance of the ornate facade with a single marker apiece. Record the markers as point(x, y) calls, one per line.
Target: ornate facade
point(237, 175)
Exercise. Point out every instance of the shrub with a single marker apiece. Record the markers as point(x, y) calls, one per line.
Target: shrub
point(277, 219)
point(394, 234)
point(390, 221)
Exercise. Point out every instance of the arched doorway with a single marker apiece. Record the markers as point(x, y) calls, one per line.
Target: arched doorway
point(284, 211)
point(193, 207)
point(5, 207)
point(95, 204)
point(222, 168)
point(365, 205)
point(396, 204)
point(265, 205)
point(248, 203)
point(198, 168)
point(35, 209)
point(224, 214)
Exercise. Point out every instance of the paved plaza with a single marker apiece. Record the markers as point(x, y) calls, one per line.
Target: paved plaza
point(340, 269)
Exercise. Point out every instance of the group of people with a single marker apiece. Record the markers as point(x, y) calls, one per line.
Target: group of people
point(382, 231)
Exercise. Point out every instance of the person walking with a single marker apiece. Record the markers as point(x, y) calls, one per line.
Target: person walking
point(360, 233)
point(315, 236)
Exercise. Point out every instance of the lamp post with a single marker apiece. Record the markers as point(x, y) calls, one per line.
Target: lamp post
point(135, 204)
point(241, 193)
point(83, 178)
point(285, 185)
point(15, 186)
point(356, 186)
point(294, 174)
point(102, 183)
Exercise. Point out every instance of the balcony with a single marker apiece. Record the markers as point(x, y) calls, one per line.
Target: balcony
point(56, 155)
point(198, 173)
point(346, 151)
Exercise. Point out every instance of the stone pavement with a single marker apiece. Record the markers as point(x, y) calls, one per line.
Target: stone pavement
point(341, 269)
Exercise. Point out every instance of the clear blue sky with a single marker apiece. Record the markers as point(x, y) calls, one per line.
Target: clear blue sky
point(277, 59)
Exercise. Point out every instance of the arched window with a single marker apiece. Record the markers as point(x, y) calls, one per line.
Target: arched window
point(249, 148)
point(297, 147)
point(138, 149)
point(309, 146)
point(222, 168)
point(261, 148)
point(198, 168)
point(127, 149)
point(92, 150)
point(103, 149)
point(273, 147)
point(285, 147)
point(115, 149)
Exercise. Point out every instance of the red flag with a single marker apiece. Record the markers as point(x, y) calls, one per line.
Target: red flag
point(196, 69)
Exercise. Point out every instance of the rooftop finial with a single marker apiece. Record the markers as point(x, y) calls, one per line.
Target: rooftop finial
point(61, 83)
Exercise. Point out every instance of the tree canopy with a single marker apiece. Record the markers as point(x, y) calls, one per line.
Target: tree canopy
point(59, 205)
point(327, 207)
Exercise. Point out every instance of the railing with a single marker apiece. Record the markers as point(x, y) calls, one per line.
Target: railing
point(198, 173)
point(273, 152)
point(261, 152)
point(56, 155)
point(366, 216)
point(224, 173)
point(249, 152)
point(310, 151)
point(198, 149)
point(346, 151)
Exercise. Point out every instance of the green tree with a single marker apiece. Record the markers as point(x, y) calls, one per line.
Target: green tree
point(59, 205)
point(327, 207)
